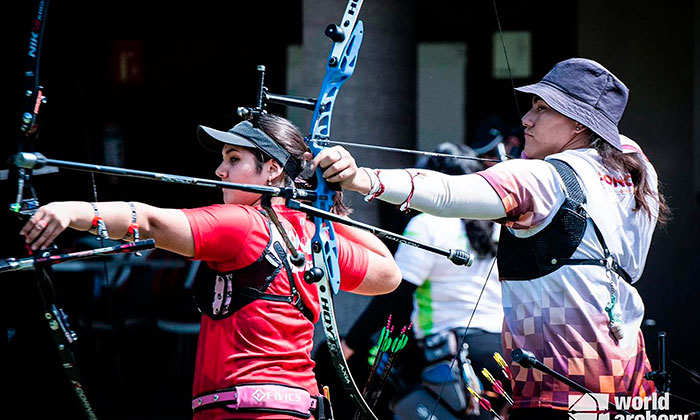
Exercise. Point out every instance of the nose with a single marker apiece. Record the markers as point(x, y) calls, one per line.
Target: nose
point(527, 120)
point(220, 172)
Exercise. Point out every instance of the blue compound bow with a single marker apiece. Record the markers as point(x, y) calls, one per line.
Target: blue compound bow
point(347, 38)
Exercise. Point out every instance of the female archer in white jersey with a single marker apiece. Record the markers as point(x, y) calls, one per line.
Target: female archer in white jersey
point(579, 212)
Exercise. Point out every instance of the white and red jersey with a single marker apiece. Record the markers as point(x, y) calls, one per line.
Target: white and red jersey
point(561, 316)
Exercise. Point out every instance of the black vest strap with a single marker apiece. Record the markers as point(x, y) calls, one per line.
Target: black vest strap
point(608, 261)
point(249, 283)
point(552, 248)
point(567, 174)
point(295, 297)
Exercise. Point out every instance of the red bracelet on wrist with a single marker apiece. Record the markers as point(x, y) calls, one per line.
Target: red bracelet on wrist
point(379, 189)
point(406, 204)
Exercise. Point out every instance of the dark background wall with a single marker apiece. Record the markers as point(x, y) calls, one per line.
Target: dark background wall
point(653, 48)
point(198, 64)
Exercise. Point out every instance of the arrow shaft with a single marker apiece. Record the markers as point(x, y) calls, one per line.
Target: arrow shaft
point(32, 160)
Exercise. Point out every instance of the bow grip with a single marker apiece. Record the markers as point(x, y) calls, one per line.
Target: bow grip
point(334, 186)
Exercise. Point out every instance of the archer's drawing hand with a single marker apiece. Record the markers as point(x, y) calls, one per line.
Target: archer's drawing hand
point(339, 166)
point(46, 224)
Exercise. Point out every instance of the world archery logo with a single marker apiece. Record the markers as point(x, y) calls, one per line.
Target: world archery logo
point(589, 407)
point(595, 407)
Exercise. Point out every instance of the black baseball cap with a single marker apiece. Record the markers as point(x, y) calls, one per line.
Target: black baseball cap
point(245, 134)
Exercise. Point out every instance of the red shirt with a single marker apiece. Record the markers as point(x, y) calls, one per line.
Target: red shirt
point(265, 341)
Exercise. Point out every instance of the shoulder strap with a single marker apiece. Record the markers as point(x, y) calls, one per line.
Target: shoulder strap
point(578, 197)
point(572, 187)
point(295, 297)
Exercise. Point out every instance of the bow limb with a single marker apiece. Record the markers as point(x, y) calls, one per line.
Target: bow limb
point(337, 72)
point(25, 206)
point(347, 38)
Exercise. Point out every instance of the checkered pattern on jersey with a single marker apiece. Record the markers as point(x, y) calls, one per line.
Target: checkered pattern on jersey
point(574, 343)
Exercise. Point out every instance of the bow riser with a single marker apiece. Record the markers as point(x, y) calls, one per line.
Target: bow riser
point(338, 33)
point(339, 67)
point(336, 76)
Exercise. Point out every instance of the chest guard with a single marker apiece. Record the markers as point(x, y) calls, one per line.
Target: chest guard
point(552, 247)
point(220, 294)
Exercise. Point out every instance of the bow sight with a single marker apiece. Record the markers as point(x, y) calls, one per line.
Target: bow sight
point(265, 97)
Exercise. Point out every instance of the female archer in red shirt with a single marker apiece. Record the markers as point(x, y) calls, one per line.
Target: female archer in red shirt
point(256, 333)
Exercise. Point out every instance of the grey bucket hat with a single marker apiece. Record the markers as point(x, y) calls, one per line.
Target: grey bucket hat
point(586, 92)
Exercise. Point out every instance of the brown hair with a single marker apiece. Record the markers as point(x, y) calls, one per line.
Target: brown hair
point(632, 164)
point(288, 136)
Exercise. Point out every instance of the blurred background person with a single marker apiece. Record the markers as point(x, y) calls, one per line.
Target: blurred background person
point(496, 139)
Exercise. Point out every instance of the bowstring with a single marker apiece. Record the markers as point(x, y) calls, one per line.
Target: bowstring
point(471, 317)
point(505, 53)
point(399, 150)
point(107, 284)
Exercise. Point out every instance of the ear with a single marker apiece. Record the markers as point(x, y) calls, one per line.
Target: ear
point(275, 171)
